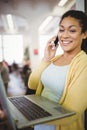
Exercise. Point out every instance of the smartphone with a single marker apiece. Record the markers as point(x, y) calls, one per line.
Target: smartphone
point(56, 41)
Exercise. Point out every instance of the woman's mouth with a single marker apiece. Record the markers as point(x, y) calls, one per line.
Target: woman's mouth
point(65, 42)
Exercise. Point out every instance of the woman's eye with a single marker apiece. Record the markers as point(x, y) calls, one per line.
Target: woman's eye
point(61, 30)
point(72, 31)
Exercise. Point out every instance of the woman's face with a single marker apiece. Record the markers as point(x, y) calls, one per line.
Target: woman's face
point(70, 36)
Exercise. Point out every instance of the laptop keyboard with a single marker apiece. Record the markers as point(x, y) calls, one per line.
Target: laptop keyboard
point(29, 109)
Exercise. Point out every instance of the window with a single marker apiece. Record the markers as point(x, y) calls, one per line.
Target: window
point(11, 48)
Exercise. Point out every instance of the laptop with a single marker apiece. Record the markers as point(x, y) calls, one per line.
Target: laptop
point(32, 110)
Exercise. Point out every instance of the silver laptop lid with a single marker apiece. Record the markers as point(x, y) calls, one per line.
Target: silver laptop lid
point(5, 107)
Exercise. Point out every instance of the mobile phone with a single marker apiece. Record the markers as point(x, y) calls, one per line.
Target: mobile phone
point(56, 41)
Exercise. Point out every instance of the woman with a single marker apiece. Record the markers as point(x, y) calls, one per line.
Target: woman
point(63, 78)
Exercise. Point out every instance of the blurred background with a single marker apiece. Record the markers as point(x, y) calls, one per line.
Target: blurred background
point(25, 27)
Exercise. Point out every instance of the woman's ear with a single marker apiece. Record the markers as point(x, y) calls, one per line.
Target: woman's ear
point(85, 35)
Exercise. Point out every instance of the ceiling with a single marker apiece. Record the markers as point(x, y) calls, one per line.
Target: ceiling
point(26, 12)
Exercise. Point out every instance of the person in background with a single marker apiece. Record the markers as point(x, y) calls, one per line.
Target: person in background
point(25, 72)
point(4, 73)
point(16, 84)
point(63, 78)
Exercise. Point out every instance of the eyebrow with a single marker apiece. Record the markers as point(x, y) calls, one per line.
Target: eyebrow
point(69, 26)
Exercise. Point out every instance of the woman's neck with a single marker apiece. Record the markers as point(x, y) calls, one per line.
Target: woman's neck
point(65, 59)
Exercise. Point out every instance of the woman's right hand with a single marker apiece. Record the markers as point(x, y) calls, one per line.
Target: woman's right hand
point(50, 49)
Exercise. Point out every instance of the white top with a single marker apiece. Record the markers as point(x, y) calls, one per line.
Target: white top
point(53, 79)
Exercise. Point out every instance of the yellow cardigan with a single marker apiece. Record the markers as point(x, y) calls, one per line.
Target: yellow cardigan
point(75, 92)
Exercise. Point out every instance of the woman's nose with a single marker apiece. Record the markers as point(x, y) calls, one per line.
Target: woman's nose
point(65, 34)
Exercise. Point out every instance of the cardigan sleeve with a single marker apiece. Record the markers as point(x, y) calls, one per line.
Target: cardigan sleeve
point(76, 95)
point(34, 78)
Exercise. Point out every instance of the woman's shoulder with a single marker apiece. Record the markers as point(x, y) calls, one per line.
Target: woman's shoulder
point(82, 57)
point(79, 62)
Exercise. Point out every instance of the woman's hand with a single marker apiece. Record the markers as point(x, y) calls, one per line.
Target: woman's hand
point(50, 49)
